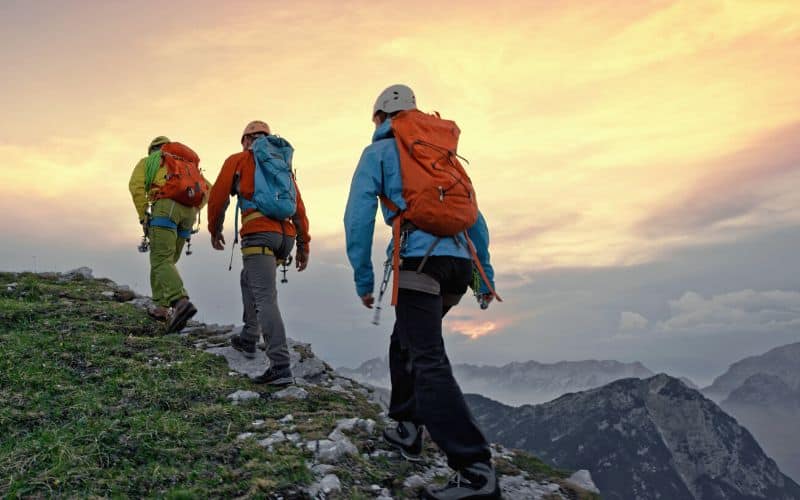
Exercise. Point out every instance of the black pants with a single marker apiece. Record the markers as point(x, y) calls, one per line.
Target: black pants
point(423, 388)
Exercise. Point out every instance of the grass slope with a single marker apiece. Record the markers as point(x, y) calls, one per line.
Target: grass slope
point(97, 403)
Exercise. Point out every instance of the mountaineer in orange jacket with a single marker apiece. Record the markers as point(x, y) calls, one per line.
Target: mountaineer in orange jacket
point(267, 241)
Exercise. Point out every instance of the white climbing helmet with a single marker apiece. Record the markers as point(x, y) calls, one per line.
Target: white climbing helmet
point(395, 98)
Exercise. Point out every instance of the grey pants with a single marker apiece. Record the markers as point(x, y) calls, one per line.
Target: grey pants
point(260, 301)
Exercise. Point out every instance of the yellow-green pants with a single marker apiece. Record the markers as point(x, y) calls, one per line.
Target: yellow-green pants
point(165, 250)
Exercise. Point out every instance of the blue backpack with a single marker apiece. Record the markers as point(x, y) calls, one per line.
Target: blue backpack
point(274, 194)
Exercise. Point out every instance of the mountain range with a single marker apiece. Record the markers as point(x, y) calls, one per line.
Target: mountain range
point(519, 382)
point(642, 439)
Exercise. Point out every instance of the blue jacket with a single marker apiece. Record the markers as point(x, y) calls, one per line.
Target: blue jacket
point(378, 172)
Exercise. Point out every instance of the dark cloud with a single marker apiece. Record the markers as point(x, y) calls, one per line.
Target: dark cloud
point(548, 316)
point(739, 185)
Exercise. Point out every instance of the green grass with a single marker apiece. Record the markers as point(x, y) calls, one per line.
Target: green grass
point(96, 402)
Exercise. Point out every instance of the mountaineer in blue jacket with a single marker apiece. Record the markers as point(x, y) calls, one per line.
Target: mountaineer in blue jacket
point(424, 391)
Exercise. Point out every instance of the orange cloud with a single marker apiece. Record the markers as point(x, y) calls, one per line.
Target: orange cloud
point(474, 329)
point(578, 119)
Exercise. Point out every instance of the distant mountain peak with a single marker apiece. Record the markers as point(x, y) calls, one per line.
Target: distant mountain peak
point(642, 439)
point(782, 361)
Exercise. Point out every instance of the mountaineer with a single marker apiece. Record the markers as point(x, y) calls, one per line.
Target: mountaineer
point(273, 221)
point(439, 237)
point(168, 191)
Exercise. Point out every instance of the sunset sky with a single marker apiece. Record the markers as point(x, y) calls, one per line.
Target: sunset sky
point(637, 161)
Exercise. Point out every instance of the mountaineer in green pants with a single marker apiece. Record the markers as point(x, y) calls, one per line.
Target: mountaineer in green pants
point(173, 202)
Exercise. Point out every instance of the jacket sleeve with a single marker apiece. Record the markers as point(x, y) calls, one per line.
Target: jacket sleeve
point(136, 187)
point(479, 234)
point(300, 221)
point(219, 196)
point(359, 220)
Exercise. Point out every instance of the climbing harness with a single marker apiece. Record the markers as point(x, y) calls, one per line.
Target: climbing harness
point(285, 267)
point(166, 222)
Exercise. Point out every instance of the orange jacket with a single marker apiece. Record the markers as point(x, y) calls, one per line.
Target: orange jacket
point(240, 169)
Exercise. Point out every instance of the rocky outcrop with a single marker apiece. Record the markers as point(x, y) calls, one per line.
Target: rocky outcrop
point(349, 437)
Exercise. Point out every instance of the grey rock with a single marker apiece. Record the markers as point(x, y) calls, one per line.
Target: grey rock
point(241, 395)
point(327, 485)
point(583, 479)
point(322, 469)
point(291, 393)
point(81, 273)
point(107, 294)
point(124, 295)
point(521, 488)
point(328, 451)
point(244, 435)
point(275, 438)
point(414, 482)
point(336, 435)
point(356, 424)
point(240, 364)
point(305, 366)
point(288, 418)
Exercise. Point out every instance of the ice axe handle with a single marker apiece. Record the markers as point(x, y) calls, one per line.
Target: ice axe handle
point(376, 318)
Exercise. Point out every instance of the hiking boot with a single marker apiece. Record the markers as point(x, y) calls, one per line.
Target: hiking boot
point(478, 481)
point(275, 376)
point(158, 313)
point(248, 349)
point(407, 438)
point(182, 312)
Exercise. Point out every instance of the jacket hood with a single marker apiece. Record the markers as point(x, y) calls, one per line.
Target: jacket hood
point(384, 131)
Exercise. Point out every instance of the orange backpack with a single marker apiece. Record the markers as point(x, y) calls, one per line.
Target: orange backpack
point(184, 184)
point(438, 193)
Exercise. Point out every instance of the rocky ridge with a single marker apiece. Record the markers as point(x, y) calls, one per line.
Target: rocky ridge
point(335, 457)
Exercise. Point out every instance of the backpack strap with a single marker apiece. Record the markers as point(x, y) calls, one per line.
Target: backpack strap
point(396, 235)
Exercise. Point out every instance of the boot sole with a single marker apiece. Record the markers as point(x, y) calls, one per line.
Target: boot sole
point(180, 320)
point(495, 495)
point(277, 382)
point(248, 355)
point(281, 381)
point(405, 454)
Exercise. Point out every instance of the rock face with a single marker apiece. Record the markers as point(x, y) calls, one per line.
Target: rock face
point(763, 393)
point(518, 383)
point(642, 439)
point(766, 391)
point(782, 362)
